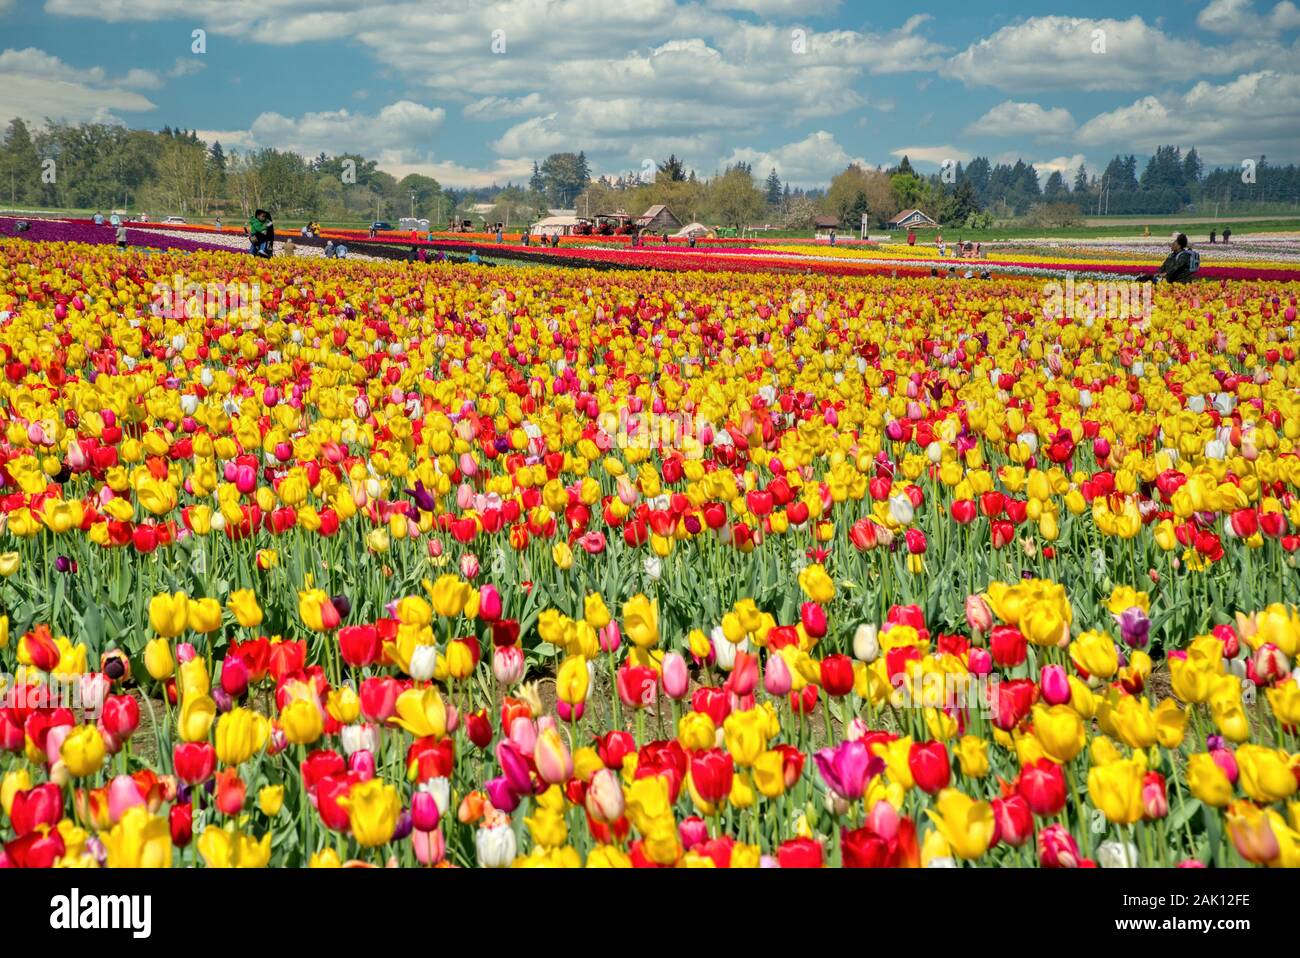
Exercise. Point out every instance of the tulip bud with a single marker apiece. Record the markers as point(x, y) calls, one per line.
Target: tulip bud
point(604, 799)
point(978, 615)
point(776, 676)
point(866, 643)
point(676, 678)
point(424, 811)
point(489, 602)
point(508, 664)
point(1055, 685)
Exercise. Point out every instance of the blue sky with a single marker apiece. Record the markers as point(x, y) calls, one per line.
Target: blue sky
point(805, 86)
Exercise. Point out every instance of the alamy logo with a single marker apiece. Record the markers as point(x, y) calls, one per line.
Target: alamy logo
point(77, 912)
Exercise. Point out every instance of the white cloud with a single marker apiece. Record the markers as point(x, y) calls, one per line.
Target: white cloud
point(769, 8)
point(934, 155)
point(401, 129)
point(811, 161)
point(1010, 118)
point(1253, 114)
point(1060, 52)
point(621, 79)
point(496, 107)
point(35, 85)
point(1239, 17)
point(449, 173)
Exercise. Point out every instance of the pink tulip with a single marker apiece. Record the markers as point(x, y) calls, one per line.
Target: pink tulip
point(1055, 685)
point(515, 767)
point(552, 758)
point(610, 638)
point(489, 602)
point(430, 846)
point(676, 678)
point(123, 794)
point(508, 664)
point(693, 831)
point(883, 819)
point(363, 763)
point(847, 768)
point(424, 811)
point(523, 734)
point(776, 677)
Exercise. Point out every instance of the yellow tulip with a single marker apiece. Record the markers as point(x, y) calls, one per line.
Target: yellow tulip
point(301, 721)
point(641, 621)
point(83, 751)
point(270, 799)
point(196, 717)
point(233, 849)
point(243, 604)
point(966, 825)
point(1116, 789)
point(138, 840)
point(422, 712)
point(169, 614)
point(373, 807)
point(158, 661)
point(1207, 781)
point(1059, 731)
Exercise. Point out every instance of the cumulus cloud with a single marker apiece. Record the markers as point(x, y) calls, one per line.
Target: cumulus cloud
point(1076, 53)
point(808, 162)
point(35, 85)
point(934, 155)
point(1010, 118)
point(1252, 114)
point(1240, 17)
point(400, 129)
point(666, 70)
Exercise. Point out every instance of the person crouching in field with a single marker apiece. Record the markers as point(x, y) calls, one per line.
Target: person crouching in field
point(1180, 266)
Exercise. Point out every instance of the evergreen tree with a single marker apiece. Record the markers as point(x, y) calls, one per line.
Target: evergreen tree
point(773, 189)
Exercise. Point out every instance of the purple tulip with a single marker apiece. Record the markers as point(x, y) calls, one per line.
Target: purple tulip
point(1134, 627)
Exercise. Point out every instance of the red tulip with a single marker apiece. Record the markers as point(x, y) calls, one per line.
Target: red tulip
point(1014, 820)
point(42, 805)
point(121, 715)
point(799, 853)
point(813, 617)
point(1042, 786)
point(1008, 645)
point(194, 762)
point(928, 763)
point(711, 774)
point(359, 645)
point(837, 675)
point(180, 821)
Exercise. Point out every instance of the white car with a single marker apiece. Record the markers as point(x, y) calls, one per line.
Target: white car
point(175, 219)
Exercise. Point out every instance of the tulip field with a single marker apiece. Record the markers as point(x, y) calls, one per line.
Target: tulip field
point(783, 560)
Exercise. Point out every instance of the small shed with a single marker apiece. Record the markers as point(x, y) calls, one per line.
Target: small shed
point(657, 219)
point(823, 226)
point(911, 219)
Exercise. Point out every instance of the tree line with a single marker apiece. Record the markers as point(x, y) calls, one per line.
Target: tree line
point(172, 170)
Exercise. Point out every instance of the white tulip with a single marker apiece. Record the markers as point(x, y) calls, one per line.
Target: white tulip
point(495, 846)
point(424, 660)
point(866, 643)
point(1117, 855)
